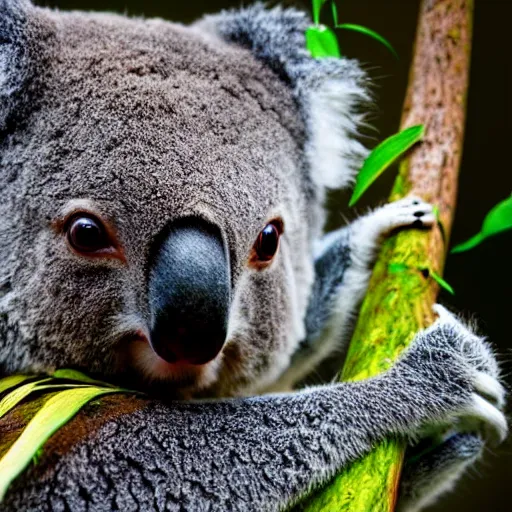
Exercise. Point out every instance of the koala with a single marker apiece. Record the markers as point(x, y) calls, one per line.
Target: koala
point(161, 228)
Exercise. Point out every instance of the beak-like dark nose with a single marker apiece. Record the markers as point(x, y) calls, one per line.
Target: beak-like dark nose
point(189, 294)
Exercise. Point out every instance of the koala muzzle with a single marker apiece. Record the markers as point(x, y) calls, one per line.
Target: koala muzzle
point(189, 293)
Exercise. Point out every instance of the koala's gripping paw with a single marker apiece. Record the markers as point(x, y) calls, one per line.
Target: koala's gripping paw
point(460, 378)
point(411, 211)
point(368, 231)
point(430, 472)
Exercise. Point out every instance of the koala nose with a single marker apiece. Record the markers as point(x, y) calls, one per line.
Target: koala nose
point(189, 293)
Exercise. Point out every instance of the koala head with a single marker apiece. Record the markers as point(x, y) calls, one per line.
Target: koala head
point(161, 188)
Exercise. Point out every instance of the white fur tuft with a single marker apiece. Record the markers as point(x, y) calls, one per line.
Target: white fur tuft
point(334, 152)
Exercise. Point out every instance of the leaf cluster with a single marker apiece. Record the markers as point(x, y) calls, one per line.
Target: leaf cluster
point(69, 391)
point(321, 40)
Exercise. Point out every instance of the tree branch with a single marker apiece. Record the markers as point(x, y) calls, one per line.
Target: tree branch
point(401, 293)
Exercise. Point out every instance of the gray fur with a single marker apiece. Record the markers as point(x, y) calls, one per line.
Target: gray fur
point(437, 470)
point(330, 88)
point(143, 123)
point(330, 268)
point(256, 454)
point(13, 59)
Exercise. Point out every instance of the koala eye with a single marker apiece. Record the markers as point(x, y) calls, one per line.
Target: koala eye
point(267, 242)
point(87, 234)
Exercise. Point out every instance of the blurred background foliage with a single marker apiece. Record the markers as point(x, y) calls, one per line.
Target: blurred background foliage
point(482, 278)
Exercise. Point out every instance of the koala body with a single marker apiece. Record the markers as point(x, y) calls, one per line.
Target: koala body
point(161, 226)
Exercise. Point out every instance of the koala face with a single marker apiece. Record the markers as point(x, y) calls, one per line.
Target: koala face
point(158, 197)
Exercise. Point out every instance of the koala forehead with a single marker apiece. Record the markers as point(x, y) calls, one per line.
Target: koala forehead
point(151, 118)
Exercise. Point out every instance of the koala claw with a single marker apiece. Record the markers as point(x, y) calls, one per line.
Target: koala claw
point(493, 421)
point(444, 315)
point(491, 389)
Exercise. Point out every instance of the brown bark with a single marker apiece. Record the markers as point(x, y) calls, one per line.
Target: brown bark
point(436, 97)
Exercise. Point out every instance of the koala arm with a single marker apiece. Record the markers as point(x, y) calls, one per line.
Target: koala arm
point(343, 267)
point(263, 453)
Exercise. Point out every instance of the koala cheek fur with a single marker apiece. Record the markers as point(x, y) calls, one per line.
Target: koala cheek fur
point(260, 340)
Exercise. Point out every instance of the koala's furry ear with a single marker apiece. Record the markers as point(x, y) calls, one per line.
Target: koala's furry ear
point(329, 91)
point(13, 55)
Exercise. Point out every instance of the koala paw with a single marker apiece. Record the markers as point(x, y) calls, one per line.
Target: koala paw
point(368, 231)
point(411, 211)
point(432, 469)
point(460, 376)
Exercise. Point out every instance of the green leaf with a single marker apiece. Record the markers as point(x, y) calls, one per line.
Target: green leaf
point(334, 12)
point(321, 42)
point(55, 387)
point(383, 156)
point(441, 282)
point(68, 374)
point(499, 219)
point(10, 401)
point(368, 32)
point(15, 397)
point(79, 377)
point(12, 381)
point(55, 413)
point(317, 7)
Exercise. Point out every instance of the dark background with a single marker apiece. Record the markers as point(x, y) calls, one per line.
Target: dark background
point(482, 278)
